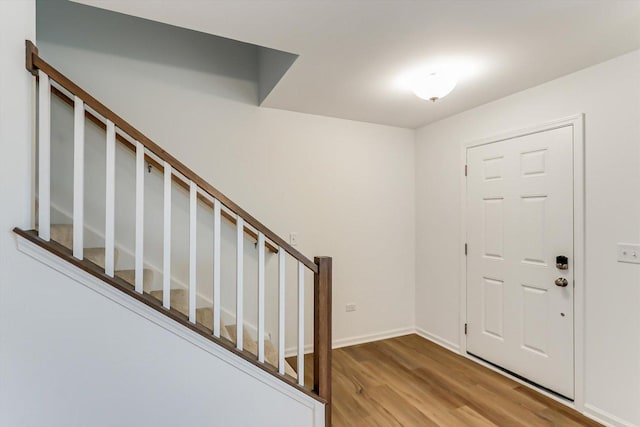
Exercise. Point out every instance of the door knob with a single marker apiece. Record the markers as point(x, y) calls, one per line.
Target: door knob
point(562, 282)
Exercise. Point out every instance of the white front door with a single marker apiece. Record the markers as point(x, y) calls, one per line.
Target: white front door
point(519, 219)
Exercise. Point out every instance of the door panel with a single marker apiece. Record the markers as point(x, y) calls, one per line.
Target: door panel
point(535, 300)
point(493, 228)
point(519, 218)
point(493, 296)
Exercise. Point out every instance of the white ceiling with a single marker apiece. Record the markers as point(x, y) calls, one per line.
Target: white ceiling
point(353, 51)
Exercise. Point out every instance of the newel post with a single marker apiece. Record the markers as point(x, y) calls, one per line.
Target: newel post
point(30, 51)
point(322, 332)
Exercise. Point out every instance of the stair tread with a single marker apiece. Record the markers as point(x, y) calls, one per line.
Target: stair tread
point(129, 276)
point(179, 299)
point(204, 316)
point(63, 234)
point(95, 255)
point(270, 352)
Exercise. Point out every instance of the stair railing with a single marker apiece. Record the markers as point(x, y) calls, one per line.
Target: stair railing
point(50, 80)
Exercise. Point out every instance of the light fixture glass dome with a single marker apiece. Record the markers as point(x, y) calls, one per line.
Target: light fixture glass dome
point(433, 86)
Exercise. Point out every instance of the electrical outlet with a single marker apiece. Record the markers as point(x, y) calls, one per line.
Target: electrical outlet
point(350, 307)
point(293, 238)
point(628, 252)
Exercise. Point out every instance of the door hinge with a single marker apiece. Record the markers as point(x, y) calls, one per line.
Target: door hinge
point(466, 248)
point(465, 328)
point(465, 170)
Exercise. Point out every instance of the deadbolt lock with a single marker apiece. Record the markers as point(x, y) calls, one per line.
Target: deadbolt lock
point(562, 282)
point(562, 262)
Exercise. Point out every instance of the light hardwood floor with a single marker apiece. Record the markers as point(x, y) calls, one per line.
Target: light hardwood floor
point(409, 381)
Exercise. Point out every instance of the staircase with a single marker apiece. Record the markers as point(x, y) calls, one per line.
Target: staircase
point(179, 303)
point(63, 234)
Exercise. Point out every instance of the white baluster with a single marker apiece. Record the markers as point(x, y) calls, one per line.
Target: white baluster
point(300, 323)
point(216, 268)
point(44, 156)
point(109, 228)
point(140, 170)
point(260, 297)
point(166, 258)
point(239, 282)
point(193, 230)
point(281, 311)
point(78, 178)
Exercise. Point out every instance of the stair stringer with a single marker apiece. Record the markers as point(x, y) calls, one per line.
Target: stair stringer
point(84, 278)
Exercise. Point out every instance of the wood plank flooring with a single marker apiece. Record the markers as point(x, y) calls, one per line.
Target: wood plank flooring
point(411, 382)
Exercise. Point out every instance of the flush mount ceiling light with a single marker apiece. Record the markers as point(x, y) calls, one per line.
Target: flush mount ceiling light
point(433, 85)
point(437, 78)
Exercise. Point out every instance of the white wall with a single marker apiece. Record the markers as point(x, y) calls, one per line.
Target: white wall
point(609, 95)
point(72, 358)
point(346, 187)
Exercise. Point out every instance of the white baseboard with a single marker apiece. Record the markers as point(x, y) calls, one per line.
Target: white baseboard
point(449, 345)
point(360, 339)
point(293, 351)
point(605, 417)
point(378, 336)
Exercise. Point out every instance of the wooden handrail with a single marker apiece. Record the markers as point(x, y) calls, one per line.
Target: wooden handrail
point(322, 332)
point(34, 62)
point(95, 120)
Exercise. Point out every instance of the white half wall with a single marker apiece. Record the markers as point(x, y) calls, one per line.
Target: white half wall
point(609, 96)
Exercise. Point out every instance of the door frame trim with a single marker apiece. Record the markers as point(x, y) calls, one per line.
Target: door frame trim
point(577, 123)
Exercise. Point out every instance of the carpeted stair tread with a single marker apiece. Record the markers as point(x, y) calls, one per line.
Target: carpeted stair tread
point(271, 356)
point(204, 316)
point(96, 255)
point(270, 353)
point(248, 342)
point(129, 276)
point(63, 234)
point(179, 299)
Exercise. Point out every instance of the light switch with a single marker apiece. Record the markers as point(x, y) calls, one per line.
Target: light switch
point(628, 252)
point(293, 238)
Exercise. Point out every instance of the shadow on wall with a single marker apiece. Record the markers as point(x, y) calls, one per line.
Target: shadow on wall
point(79, 26)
